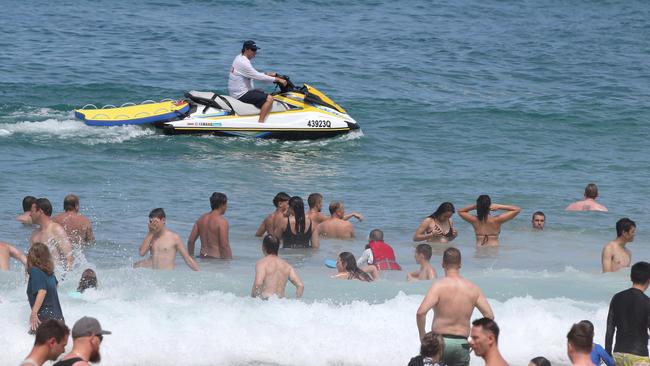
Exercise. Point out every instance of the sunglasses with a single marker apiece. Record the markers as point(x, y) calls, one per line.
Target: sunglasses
point(100, 336)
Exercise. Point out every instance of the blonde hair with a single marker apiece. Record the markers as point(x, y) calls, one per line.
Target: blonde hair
point(39, 256)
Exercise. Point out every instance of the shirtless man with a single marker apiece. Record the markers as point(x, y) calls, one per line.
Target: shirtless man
point(486, 227)
point(453, 299)
point(162, 244)
point(26, 217)
point(9, 251)
point(315, 202)
point(337, 227)
point(212, 229)
point(485, 342)
point(423, 254)
point(51, 233)
point(589, 203)
point(281, 203)
point(615, 254)
point(538, 220)
point(77, 226)
point(272, 272)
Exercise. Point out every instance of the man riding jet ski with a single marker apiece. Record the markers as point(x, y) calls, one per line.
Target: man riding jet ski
point(240, 80)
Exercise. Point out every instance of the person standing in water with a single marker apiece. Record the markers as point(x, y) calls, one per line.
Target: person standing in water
point(297, 230)
point(162, 244)
point(615, 255)
point(51, 233)
point(26, 217)
point(76, 225)
point(272, 272)
point(423, 254)
point(42, 286)
point(437, 227)
point(281, 203)
point(337, 227)
point(212, 228)
point(9, 251)
point(486, 227)
point(453, 299)
point(589, 202)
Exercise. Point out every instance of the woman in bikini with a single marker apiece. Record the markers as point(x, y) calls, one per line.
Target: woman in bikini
point(437, 227)
point(486, 227)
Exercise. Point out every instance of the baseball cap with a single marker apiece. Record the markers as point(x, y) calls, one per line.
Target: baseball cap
point(87, 326)
point(250, 45)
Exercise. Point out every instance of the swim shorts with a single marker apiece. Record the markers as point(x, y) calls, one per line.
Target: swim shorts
point(628, 359)
point(456, 352)
point(255, 97)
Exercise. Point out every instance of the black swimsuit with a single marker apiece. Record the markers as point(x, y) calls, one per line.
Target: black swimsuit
point(297, 240)
point(68, 362)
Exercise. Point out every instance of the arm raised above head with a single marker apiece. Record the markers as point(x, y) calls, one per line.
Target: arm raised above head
point(465, 214)
point(511, 212)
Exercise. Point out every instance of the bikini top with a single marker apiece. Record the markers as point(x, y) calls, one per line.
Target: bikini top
point(297, 240)
point(438, 230)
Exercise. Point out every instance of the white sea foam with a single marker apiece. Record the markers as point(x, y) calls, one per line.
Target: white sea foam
point(156, 326)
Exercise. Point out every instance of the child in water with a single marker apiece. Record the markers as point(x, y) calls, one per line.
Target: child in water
point(423, 254)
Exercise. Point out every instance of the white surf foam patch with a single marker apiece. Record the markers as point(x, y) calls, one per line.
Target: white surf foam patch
point(152, 326)
point(77, 130)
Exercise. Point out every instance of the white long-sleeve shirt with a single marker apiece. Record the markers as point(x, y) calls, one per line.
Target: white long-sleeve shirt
point(366, 258)
point(242, 75)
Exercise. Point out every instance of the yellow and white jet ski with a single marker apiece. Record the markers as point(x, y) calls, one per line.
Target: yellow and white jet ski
point(297, 114)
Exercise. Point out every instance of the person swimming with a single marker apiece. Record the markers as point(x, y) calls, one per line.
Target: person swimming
point(88, 280)
point(347, 268)
point(487, 228)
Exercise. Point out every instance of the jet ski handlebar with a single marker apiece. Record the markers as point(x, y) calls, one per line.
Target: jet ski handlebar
point(285, 88)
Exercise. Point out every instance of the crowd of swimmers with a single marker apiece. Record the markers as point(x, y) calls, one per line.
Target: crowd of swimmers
point(452, 298)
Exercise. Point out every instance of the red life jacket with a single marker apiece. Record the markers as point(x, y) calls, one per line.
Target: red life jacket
point(383, 256)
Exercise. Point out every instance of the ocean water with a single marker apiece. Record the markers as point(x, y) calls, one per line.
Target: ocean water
point(522, 100)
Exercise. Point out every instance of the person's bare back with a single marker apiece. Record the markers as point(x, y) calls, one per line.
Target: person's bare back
point(586, 205)
point(335, 228)
point(272, 272)
point(77, 227)
point(212, 229)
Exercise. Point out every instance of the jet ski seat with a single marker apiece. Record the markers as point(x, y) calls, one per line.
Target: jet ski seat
point(231, 104)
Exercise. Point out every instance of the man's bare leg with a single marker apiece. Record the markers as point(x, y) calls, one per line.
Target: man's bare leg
point(266, 108)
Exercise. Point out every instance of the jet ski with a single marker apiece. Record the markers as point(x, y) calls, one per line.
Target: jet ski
point(297, 114)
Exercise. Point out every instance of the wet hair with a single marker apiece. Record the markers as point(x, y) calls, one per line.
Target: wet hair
point(540, 361)
point(451, 257)
point(157, 213)
point(271, 244)
point(624, 225)
point(483, 203)
point(640, 273)
point(51, 328)
point(70, 202)
point(432, 345)
point(217, 200)
point(581, 338)
point(39, 256)
point(376, 235)
point(425, 250)
point(538, 213)
point(28, 201)
point(591, 191)
point(88, 280)
point(350, 265)
point(44, 205)
point(444, 207)
point(298, 207)
point(314, 199)
point(488, 325)
point(334, 206)
point(280, 197)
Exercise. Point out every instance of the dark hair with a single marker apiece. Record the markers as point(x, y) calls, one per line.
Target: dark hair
point(271, 244)
point(488, 325)
point(70, 202)
point(280, 197)
point(581, 338)
point(39, 256)
point(624, 225)
point(591, 191)
point(483, 203)
point(158, 213)
point(451, 257)
point(217, 200)
point(314, 199)
point(432, 345)
point(28, 201)
point(298, 207)
point(51, 328)
point(640, 273)
point(350, 265)
point(540, 361)
point(425, 250)
point(88, 280)
point(589, 325)
point(376, 235)
point(44, 205)
point(334, 206)
point(444, 207)
point(538, 213)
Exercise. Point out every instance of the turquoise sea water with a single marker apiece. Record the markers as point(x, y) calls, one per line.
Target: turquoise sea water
point(524, 101)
